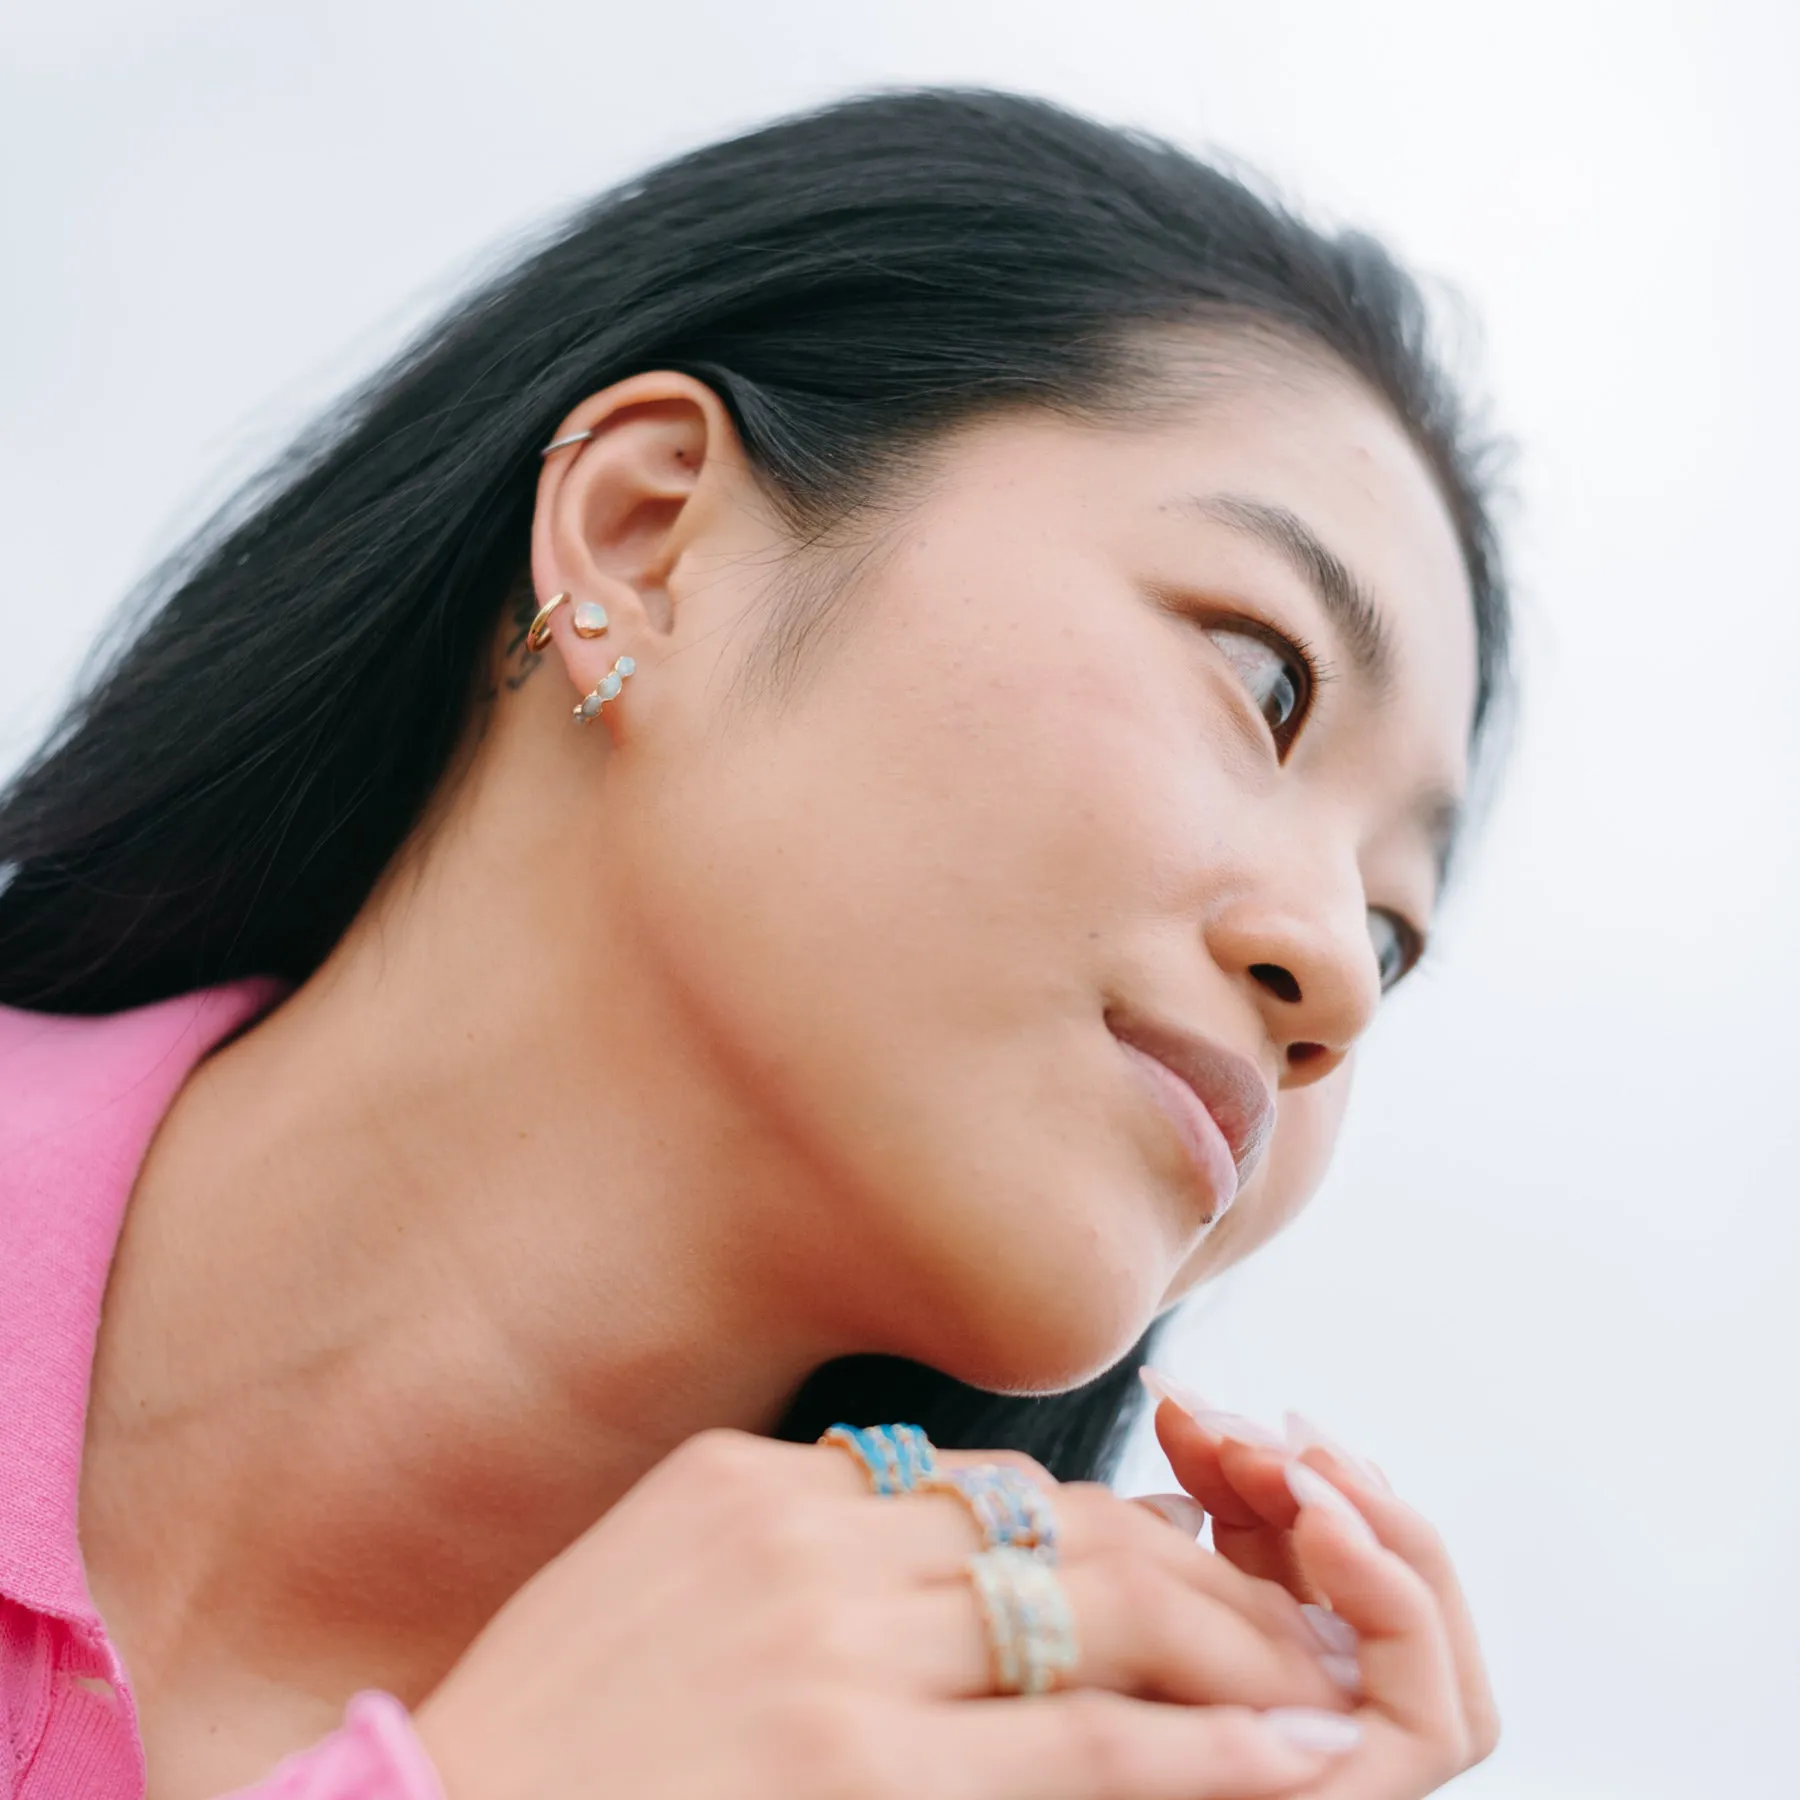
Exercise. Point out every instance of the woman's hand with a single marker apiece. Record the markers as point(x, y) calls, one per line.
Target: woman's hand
point(749, 1623)
point(1327, 1527)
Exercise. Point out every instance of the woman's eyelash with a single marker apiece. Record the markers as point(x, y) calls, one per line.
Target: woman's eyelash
point(1319, 672)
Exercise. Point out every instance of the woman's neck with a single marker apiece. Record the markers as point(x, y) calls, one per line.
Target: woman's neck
point(418, 1277)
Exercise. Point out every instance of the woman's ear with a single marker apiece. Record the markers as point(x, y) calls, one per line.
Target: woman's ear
point(658, 464)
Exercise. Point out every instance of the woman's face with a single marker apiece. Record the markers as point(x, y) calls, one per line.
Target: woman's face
point(1050, 891)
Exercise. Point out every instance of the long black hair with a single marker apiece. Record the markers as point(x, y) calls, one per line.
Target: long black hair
point(222, 795)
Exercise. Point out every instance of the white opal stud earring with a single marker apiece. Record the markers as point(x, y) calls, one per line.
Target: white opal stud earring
point(589, 619)
point(605, 689)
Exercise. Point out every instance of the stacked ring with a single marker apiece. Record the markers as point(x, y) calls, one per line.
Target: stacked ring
point(1009, 1509)
point(1031, 1633)
point(895, 1458)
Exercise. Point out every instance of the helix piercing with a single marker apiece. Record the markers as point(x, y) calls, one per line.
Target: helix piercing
point(562, 443)
point(605, 689)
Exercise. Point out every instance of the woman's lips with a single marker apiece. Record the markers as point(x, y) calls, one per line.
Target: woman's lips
point(1216, 1100)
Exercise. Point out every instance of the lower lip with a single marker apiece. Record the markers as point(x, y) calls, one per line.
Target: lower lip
point(1198, 1130)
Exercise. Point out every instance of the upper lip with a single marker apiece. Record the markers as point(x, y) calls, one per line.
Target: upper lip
point(1228, 1085)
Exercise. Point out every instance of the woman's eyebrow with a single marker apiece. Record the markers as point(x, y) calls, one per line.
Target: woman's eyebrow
point(1344, 598)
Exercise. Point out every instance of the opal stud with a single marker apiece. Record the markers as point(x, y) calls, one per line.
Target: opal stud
point(589, 618)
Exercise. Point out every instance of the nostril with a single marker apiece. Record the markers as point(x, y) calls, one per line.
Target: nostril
point(1301, 1056)
point(1278, 981)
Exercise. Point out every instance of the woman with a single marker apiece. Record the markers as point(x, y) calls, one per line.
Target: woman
point(794, 817)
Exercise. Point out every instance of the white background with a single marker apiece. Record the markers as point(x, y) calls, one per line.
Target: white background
point(1550, 1284)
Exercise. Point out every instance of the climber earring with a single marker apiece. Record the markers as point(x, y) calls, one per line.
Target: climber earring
point(605, 689)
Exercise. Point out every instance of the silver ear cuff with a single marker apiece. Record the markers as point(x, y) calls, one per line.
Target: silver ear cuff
point(578, 437)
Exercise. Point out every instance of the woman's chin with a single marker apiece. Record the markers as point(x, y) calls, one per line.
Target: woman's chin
point(1045, 1337)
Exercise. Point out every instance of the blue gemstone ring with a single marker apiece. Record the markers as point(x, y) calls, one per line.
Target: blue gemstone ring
point(1011, 1511)
point(896, 1458)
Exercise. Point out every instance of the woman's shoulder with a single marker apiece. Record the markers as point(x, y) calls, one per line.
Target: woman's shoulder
point(91, 1074)
point(80, 1098)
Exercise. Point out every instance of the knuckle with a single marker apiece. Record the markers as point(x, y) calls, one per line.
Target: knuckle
point(720, 1458)
point(1104, 1519)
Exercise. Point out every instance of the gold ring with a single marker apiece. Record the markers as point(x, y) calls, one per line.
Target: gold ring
point(1031, 1632)
point(537, 634)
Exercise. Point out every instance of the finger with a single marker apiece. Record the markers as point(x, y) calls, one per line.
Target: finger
point(1180, 1511)
point(1136, 1632)
point(1408, 1668)
point(1208, 1465)
point(928, 1536)
point(1094, 1525)
point(1088, 1746)
point(1413, 1538)
point(1193, 1453)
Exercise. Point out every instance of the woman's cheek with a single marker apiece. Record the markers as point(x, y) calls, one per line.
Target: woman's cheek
point(1306, 1129)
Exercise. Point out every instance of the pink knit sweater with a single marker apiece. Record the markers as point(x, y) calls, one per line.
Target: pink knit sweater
point(79, 1101)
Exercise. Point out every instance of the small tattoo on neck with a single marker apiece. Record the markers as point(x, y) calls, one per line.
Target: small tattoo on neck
point(524, 610)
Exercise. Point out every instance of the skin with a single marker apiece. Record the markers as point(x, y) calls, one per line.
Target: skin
point(762, 1021)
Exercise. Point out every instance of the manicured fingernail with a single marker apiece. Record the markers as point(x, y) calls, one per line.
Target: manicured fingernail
point(1312, 1489)
point(1214, 1423)
point(1345, 1671)
point(1163, 1387)
point(1182, 1511)
point(1303, 1434)
point(1239, 1429)
point(1305, 1729)
point(1336, 1635)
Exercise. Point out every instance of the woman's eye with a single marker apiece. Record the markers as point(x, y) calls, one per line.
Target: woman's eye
point(1278, 681)
point(1396, 945)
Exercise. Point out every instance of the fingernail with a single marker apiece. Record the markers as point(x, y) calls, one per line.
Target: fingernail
point(1303, 1434)
point(1337, 1635)
point(1312, 1489)
point(1210, 1420)
point(1345, 1671)
point(1306, 1729)
point(1163, 1387)
point(1239, 1429)
point(1182, 1511)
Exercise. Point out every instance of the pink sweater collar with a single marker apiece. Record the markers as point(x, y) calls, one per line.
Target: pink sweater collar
point(80, 1099)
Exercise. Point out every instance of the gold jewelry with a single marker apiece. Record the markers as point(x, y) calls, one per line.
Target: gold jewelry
point(605, 689)
point(896, 1459)
point(537, 634)
point(1010, 1510)
point(1031, 1632)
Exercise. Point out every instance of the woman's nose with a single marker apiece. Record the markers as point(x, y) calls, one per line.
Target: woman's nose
point(1312, 976)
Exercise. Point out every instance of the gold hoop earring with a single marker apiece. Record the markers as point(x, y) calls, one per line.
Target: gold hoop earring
point(537, 634)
